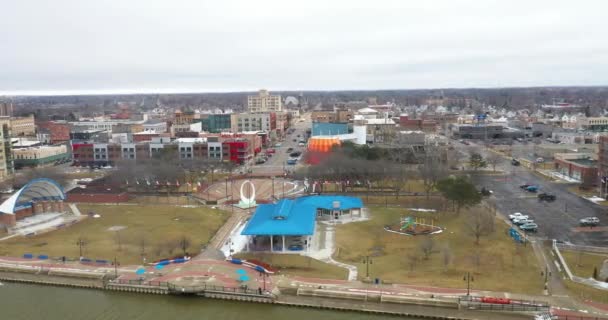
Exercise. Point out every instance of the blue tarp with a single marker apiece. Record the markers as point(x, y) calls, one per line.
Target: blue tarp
point(295, 217)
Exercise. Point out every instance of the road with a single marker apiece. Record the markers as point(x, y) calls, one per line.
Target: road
point(556, 220)
point(278, 162)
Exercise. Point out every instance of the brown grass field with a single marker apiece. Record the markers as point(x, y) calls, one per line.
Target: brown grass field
point(155, 229)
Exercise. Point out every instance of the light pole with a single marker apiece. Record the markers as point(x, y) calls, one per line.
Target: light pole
point(115, 267)
point(468, 278)
point(546, 274)
point(367, 260)
point(226, 187)
point(273, 197)
point(81, 243)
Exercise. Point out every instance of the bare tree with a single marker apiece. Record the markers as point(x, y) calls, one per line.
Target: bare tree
point(426, 246)
point(412, 260)
point(494, 159)
point(184, 244)
point(479, 223)
point(432, 170)
point(119, 240)
point(447, 256)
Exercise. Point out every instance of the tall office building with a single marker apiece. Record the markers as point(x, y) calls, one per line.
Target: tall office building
point(264, 102)
point(6, 156)
point(6, 109)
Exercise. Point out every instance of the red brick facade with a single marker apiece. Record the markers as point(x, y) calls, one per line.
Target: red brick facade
point(60, 132)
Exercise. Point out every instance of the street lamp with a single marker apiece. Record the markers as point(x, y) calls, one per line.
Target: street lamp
point(115, 267)
point(81, 243)
point(367, 260)
point(468, 278)
point(546, 274)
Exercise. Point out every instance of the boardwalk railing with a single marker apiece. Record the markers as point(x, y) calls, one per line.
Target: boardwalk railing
point(204, 288)
point(476, 303)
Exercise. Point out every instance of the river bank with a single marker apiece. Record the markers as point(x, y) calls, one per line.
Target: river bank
point(288, 298)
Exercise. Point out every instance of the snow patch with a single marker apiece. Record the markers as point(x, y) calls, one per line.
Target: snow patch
point(422, 210)
point(595, 199)
point(563, 177)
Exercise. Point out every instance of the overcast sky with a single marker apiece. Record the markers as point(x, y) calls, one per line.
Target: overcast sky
point(64, 46)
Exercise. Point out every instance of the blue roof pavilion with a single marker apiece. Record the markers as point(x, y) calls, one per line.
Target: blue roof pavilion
point(295, 217)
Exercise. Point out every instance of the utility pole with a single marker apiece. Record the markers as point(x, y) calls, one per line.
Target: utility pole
point(367, 260)
point(468, 278)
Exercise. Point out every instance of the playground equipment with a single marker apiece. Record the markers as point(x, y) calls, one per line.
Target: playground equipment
point(414, 226)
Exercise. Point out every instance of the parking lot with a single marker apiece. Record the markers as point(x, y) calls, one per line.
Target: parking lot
point(557, 219)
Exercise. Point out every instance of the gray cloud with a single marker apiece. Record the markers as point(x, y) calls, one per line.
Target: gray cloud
point(113, 45)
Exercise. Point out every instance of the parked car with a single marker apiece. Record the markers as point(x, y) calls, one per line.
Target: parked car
point(518, 215)
point(525, 185)
point(486, 192)
point(531, 227)
point(540, 160)
point(301, 144)
point(292, 161)
point(546, 197)
point(532, 189)
point(520, 222)
point(515, 162)
point(589, 221)
point(289, 150)
point(270, 151)
point(278, 145)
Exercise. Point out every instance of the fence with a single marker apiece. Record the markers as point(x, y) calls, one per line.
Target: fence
point(582, 248)
point(198, 289)
point(588, 282)
point(476, 303)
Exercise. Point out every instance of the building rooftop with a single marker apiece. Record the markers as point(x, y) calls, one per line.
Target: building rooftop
point(585, 162)
point(191, 140)
point(295, 217)
point(380, 121)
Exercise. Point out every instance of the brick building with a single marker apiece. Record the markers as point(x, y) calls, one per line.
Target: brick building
point(58, 131)
point(579, 166)
point(235, 148)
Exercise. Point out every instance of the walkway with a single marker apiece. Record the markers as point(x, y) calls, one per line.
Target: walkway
point(323, 243)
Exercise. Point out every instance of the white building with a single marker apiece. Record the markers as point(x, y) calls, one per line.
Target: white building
point(240, 122)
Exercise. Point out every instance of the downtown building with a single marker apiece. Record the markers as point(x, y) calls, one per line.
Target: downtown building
point(234, 148)
point(264, 102)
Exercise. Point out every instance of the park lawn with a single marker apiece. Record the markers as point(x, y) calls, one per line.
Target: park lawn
point(583, 263)
point(163, 200)
point(434, 202)
point(297, 265)
point(160, 227)
point(584, 292)
point(497, 263)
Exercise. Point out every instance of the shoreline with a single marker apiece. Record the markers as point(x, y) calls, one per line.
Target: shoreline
point(419, 309)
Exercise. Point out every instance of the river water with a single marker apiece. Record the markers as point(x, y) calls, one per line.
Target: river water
point(29, 302)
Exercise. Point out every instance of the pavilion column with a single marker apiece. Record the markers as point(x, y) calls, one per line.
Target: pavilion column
point(247, 244)
point(283, 243)
point(271, 245)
